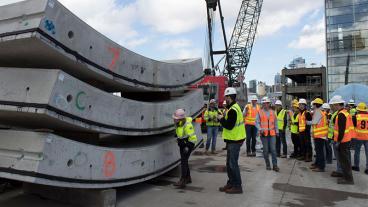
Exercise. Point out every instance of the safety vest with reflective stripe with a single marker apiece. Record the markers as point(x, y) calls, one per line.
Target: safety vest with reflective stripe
point(268, 123)
point(294, 124)
point(349, 129)
point(250, 117)
point(320, 130)
point(280, 119)
point(302, 122)
point(238, 132)
point(332, 125)
point(213, 116)
point(361, 129)
point(187, 131)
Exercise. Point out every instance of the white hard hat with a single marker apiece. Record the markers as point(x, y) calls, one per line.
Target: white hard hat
point(254, 98)
point(230, 91)
point(326, 106)
point(265, 100)
point(212, 101)
point(179, 114)
point(224, 103)
point(302, 101)
point(337, 100)
point(278, 102)
point(351, 102)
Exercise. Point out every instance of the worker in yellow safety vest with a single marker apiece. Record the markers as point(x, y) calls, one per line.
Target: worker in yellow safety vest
point(304, 131)
point(360, 122)
point(328, 143)
point(268, 130)
point(343, 133)
point(319, 134)
point(281, 124)
point(234, 135)
point(213, 125)
point(186, 139)
point(250, 113)
point(351, 107)
point(294, 130)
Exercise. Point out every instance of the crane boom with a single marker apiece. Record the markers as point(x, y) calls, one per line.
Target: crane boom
point(242, 39)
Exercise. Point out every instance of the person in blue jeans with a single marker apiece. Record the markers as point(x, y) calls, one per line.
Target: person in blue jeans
point(213, 124)
point(266, 123)
point(360, 121)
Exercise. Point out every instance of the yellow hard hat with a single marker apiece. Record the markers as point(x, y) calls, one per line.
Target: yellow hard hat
point(295, 101)
point(318, 101)
point(296, 105)
point(362, 107)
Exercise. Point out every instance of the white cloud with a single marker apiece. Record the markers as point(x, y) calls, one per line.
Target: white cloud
point(280, 14)
point(175, 44)
point(187, 53)
point(312, 37)
point(172, 16)
point(137, 42)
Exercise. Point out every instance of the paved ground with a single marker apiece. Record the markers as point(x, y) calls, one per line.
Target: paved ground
point(295, 185)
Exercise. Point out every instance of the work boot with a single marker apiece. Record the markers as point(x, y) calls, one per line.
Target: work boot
point(226, 187)
point(249, 154)
point(301, 158)
point(355, 168)
point(276, 169)
point(283, 156)
point(206, 153)
point(234, 190)
point(180, 183)
point(254, 154)
point(366, 171)
point(188, 180)
point(317, 169)
point(268, 168)
point(343, 181)
point(313, 166)
point(336, 174)
point(213, 152)
point(308, 159)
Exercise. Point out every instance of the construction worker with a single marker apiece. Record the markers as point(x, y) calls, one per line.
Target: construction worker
point(319, 134)
point(351, 105)
point(360, 122)
point(294, 130)
point(338, 172)
point(266, 123)
point(234, 135)
point(343, 133)
point(281, 124)
point(328, 145)
point(210, 115)
point(304, 131)
point(250, 112)
point(186, 139)
point(223, 113)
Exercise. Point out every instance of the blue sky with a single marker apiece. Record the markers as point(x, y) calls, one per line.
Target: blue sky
point(172, 29)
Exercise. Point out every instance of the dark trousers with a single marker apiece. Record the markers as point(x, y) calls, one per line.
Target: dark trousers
point(185, 152)
point(345, 162)
point(328, 150)
point(251, 138)
point(281, 139)
point(296, 142)
point(232, 166)
point(306, 144)
point(319, 145)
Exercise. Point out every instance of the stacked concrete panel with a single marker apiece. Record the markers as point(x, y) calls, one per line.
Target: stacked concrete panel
point(58, 73)
point(44, 34)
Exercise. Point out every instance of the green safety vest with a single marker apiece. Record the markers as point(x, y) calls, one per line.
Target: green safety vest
point(213, 116)
point(331, 126)
point(280, 119)
point(187, 131)
point(294, 127)
point(353, 111)
point(238, 132)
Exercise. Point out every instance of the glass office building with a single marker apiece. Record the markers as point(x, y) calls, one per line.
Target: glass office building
point(347, 42)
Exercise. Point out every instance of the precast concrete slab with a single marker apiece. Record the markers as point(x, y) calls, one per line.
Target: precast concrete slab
point(55, 100)
point(47, 159)
point(44, 34)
